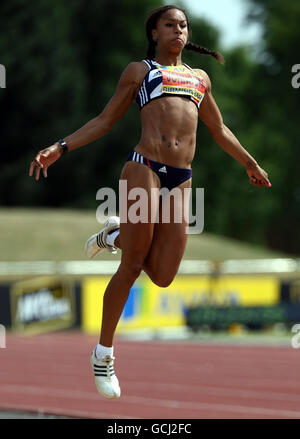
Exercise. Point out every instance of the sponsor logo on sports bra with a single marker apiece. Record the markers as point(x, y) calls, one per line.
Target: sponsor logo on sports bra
point(181, 81)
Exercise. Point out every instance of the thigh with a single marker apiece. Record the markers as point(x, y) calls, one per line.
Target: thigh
point(170, 233)
point(136, 237)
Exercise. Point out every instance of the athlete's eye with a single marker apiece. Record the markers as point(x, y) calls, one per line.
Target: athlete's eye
point(181, 25)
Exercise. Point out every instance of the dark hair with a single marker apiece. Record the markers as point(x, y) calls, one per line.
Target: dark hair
point(151, 24)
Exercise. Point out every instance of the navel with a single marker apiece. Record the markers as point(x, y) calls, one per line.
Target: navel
point(169, 144)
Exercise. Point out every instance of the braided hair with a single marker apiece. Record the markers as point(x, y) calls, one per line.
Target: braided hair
point(151, 24)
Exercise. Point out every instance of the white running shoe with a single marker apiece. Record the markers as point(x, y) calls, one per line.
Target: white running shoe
point(96, 243)
point(106, 381)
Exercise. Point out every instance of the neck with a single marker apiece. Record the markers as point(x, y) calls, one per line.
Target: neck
point(168, 59)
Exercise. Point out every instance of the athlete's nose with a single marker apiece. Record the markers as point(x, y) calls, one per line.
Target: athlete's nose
point(178, 29)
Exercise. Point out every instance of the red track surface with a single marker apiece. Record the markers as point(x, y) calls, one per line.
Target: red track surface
point(51, 374)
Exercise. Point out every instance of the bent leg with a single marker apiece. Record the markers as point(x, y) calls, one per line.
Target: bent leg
point(169, 237)
point(135, 241)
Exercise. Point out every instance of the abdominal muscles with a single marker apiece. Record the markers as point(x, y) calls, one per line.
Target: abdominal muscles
point(169, 126)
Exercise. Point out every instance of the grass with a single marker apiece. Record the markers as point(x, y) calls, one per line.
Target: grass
point(59, 234)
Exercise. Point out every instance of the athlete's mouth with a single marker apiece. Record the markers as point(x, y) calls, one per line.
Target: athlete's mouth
point(177, 40)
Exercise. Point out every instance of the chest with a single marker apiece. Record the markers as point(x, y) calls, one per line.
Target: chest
point(177, 79)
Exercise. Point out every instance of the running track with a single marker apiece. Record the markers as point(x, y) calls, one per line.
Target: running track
point(159, 380)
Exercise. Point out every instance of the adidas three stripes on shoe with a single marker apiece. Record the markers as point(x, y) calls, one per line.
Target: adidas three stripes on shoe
point(105, 378)
point(96, 243)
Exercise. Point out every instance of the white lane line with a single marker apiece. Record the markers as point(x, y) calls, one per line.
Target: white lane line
point(153, 402)
point(61, 411)
point(212, 390)
point(213, 407)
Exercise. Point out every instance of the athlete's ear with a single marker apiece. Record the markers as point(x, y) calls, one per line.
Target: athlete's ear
point(154, 35)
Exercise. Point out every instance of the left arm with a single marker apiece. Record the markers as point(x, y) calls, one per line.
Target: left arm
point(210, 115)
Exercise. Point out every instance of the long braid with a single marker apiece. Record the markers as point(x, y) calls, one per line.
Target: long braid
point(151, 24)
point(204, 51)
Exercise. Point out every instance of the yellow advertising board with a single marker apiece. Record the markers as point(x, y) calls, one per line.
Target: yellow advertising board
point(150, 306)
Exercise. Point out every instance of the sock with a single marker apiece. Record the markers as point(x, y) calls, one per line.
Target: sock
point(102, 351)
point(110, 239)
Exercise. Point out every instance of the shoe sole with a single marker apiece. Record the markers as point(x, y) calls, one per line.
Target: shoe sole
point(99, 249)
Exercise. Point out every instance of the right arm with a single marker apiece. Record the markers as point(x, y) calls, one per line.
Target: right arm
point(97, 127)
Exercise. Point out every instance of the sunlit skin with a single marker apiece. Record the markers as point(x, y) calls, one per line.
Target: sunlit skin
point(168, 136)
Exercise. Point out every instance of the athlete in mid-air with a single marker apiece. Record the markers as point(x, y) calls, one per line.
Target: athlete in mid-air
point(172, 97)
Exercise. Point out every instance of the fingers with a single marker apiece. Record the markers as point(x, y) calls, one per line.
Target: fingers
point(259, 177)
point(43, 160)
point(260, 182)
point(36, 166)
point(37, 173)
point(31, 169)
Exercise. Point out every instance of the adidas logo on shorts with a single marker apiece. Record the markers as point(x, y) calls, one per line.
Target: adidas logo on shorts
point(163, 169)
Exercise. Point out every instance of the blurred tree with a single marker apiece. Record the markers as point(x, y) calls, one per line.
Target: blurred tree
point(259, 105)
point(277, 111)
point(63, 63)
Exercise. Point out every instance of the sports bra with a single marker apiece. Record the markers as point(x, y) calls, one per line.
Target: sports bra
point(163, 81)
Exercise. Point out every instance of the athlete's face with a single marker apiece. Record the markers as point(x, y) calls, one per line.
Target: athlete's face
point(171, 30)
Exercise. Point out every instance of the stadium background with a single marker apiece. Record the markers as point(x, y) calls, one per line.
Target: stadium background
point(239, 280)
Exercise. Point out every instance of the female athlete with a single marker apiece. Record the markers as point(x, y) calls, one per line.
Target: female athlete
point(171, 97)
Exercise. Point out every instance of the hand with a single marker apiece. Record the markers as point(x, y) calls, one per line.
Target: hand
point(258, 177)
point(44, 159)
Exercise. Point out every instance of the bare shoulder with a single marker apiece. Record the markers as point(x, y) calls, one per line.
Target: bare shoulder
point(134, 72)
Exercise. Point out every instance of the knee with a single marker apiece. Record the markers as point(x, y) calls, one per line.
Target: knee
point(161, 279)
point(163, 283)
point(130, 271)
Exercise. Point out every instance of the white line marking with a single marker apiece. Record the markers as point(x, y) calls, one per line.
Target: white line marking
point(153, 402)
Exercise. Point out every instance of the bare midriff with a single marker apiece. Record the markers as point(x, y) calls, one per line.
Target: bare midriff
point(169, 126)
